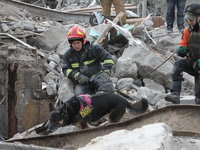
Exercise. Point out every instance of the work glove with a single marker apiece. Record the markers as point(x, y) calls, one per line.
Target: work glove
point(81, 78)
point(107, 71)
point(196, 66)
point(105, 76)
point(182, 52)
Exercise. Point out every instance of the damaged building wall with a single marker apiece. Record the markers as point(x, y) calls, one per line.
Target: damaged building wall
point(21, 91)
point(3, 93)
point(28, 82)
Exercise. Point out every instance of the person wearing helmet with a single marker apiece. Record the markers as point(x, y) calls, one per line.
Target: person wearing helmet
point(170, 16)
point(189, 48)
point(88, 65)
point(119, 6)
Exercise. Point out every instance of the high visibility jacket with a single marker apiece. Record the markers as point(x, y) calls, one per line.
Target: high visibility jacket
point(191, 40)
point(185, 37)
point(90, 60)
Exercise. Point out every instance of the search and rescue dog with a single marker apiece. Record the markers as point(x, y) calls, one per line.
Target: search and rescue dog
point(83, 109)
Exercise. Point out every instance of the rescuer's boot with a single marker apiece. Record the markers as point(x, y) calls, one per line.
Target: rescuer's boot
point(197, 100)
point(173, 97)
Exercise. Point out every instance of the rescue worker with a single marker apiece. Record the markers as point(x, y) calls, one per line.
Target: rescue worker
point(88, 65)
point(170, 16)
point(189, 48)
point(119, 6)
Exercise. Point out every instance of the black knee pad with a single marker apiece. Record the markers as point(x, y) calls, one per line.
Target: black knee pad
point(177, 73)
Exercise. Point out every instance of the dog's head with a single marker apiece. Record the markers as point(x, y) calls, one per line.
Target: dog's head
point(58, 117)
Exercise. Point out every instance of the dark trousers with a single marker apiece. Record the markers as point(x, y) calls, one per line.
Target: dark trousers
point(186, 66)
point(170, 17)
point(95, 85)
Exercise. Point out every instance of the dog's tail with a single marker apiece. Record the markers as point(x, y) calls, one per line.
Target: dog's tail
point(138, 110)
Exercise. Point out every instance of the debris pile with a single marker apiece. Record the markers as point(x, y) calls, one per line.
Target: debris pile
point(32, 47)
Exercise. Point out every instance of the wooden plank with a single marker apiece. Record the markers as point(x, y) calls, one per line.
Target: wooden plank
point(100, 9)
point(158, 21)
point(104, 33)
point(144, 8)
point(91, 9)
point(135, 20)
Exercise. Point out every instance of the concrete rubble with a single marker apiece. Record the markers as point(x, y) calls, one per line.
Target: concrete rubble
point(152, 137)
point(31, 51)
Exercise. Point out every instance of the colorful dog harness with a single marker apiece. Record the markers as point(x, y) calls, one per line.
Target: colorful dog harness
point(87, 99)
point(86, 107)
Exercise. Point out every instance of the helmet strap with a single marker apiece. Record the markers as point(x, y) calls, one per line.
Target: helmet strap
point(195, 27)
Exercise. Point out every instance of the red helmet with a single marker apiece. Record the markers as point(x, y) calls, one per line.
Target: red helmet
point(76, 33)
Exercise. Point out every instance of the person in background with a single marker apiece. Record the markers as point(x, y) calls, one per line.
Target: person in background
point(170, 17)
point(119, 6)
point(88, 65)
point(189, 48)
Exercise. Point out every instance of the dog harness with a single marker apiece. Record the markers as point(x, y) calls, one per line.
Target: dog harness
point(85, 109)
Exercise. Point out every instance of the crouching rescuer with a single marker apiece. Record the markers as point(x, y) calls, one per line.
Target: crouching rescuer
point(88, 65)
point(189, 49)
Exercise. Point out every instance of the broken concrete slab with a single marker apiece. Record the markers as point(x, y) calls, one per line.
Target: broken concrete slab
point(4, 27)
point(62, 48)
point(146, 62)
point(125, 83)
point(155, 98)
point(126, 67)
point(153, 85)
point(152, 136)
point(55, 58)
point(66, 89)
point(55, 35)
point(9, 9)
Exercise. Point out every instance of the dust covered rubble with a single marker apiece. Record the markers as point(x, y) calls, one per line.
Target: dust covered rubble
point(135, 71)
point(156, 136)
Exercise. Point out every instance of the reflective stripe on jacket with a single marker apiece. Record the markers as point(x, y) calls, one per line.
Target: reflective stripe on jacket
point(91, 60)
